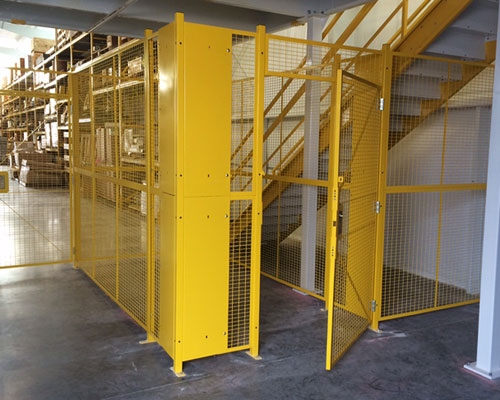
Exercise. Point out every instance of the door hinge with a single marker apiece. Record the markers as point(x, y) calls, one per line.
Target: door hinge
point(374, 305)
point(381, 104)
point(377, 207)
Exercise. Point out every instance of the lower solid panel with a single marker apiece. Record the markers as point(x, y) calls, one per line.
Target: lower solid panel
point(206, 276)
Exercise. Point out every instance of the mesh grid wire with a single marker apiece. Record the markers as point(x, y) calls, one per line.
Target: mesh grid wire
point(240, 261)
point(242, 141)
point(34, 151)
point(439, 134)
point(287, 151)
point(111, 158)
point(155, 180)
point(242, 111)
point(356, 227)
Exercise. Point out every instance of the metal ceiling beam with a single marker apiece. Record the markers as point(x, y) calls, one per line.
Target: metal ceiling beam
point(146, 14)
point(111, 15)
point(297, 8)
point(334, 6)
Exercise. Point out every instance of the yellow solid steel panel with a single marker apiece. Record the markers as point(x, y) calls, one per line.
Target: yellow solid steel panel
point(206, 277)
point(167, 107)
point(208, 71)
point(195, 149)
point(168, 257)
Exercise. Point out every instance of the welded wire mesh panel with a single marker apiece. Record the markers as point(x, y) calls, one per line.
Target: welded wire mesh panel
point(356, 226)
point(35, 222)
point(104, 233)
point(156, 311)
point(438, 136)
point(410, 252)
point(240, 261)
point(131, 98)
point(242, 112)
point(462, 225)
point(84, 242)
point(154, 146)
point(114, 231)
point(132, 267)
point(292, 56)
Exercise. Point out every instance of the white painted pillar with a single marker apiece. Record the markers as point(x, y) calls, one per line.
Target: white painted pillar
point(488, 344)
point(311, 147)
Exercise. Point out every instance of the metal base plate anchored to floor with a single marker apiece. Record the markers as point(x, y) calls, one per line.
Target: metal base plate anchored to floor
point(478, 371)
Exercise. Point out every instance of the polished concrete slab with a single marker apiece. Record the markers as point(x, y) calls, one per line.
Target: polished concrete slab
point(62, 338)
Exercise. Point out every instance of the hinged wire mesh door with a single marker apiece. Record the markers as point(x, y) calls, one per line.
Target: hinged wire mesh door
point(357, 120)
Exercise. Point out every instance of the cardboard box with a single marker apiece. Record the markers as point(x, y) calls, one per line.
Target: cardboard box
point(23, 147)
point(48, 135)
point(41, 45)
point(32, 176)
point(100, 146)
point(135, 66)
point(111, 41)
point(61, 65)
point(55, 133)
point(105, 146)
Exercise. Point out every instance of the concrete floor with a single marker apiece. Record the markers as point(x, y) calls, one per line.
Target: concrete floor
point(62, 338)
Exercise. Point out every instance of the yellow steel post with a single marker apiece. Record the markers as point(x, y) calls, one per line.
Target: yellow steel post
point(117, 172)
point(92, 161)
point(180, 126)
point(148, 83)
point(119, 168)
point(333, 202)
point(257, 174)
point(74, 192)
point(404, 18)
point(330, 217)
point(382, 183)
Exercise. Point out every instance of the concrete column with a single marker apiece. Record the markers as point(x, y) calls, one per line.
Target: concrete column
point(315, 26)
point(488, 343)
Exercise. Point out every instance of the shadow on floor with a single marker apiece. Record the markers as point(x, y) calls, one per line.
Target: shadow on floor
point(62, 338)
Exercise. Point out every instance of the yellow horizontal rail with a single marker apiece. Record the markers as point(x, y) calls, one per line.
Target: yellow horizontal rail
point(301, 181)
point(33, 93)
point(435, 188)
point(430, 309)
point(128, 184)
point(37, 264)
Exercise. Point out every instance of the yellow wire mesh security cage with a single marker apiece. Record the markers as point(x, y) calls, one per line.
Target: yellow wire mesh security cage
point(35, 211)
point(437, 153)
point(321, 228)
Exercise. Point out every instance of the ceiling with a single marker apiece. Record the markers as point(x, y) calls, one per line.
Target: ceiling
point(131, 18)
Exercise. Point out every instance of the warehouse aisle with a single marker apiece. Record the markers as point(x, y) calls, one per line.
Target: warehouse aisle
point(61, 337)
